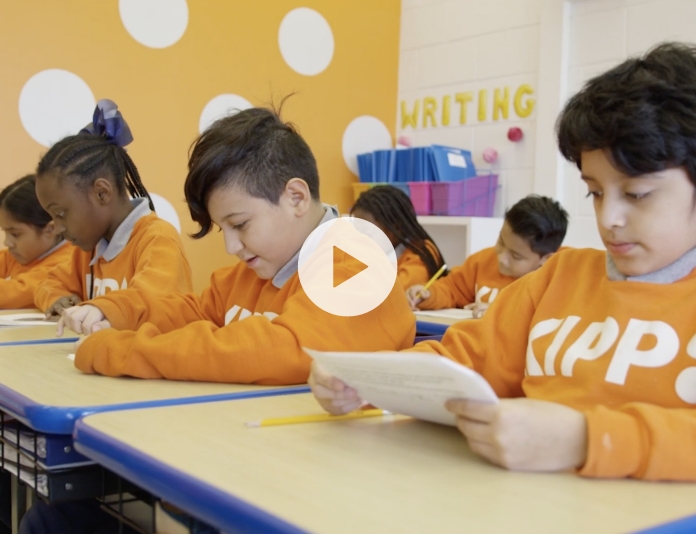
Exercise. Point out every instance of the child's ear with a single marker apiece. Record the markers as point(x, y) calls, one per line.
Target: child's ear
point(297, 195)
point(542, 259)
point(103, 190)
point(49, 229)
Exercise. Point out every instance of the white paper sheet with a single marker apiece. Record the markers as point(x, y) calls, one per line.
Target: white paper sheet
point(25, 319)
point(408, 383)
point(447, 313)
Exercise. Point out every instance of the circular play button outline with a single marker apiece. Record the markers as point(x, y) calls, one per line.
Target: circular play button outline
point(347, 266)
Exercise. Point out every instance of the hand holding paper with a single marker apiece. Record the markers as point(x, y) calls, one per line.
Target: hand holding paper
point(408, 383)
point(524, 434)
point(331, 393)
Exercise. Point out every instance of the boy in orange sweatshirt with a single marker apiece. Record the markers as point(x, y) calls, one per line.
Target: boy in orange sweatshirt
point(256, 179)
point(594, 354)
point(533, 230)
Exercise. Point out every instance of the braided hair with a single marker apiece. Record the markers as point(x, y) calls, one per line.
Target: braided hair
point(87, 156)
point(392, 208)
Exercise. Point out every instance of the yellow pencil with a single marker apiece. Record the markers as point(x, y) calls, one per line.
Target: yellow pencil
point(316, 418)
point(430, 282)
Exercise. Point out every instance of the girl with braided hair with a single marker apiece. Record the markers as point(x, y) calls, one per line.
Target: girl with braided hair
point(93, 191)
point(390, 209)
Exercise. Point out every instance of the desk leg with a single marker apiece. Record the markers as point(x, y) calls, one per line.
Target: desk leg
point(19, 502)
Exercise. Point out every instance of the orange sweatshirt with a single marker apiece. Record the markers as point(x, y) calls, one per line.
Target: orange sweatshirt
point(622, 352)
point(145, 252)
point(241, 329)
point(476, 280)
point(19, 282)
point(411, 270)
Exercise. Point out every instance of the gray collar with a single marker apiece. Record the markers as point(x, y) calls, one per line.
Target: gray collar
point(49, 252)
point(400, 249)
point(290, 268)
point(667, 275)
point(110, 249)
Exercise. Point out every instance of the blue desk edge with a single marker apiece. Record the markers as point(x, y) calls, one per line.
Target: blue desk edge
point(430, 329)
point(686, 525)
point(61, 420)
point(206, 503)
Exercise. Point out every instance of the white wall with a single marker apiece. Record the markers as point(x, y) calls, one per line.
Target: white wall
point(450, 46)
point(459, 46)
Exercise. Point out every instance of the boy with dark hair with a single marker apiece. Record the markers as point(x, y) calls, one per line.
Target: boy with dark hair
point(533, 230)
point(601, 344)
point(255, 178)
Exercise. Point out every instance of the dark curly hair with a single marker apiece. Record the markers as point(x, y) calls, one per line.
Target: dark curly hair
point(642, 112)
point(253, 149)
point(541, 221)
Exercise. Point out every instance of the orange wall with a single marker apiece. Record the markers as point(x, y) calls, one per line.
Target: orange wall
point(228, 47)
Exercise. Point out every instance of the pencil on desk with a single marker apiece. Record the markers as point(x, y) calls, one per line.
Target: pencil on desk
point(316, 418)
point(430, 282)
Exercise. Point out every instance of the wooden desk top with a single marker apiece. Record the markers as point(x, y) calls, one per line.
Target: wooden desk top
point(426, 317)
point(447, 321)
point(40, 385)
point(13, 334)
point(362, 475)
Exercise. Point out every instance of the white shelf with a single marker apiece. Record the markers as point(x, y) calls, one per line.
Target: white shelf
point(447, 221)
point(459, 237)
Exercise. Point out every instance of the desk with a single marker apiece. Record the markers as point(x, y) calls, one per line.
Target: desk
point(30, 335)
point(432, 326)
point(33, 335)
point(41, 387)
point(362, 475)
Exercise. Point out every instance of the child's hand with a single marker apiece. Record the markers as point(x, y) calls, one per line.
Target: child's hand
point(477, 308)
point(333, 395)
point(524, 434)
point(63, 303)
point(82, 320)
point(416, 295)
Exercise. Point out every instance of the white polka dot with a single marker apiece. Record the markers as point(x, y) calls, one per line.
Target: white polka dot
point(686, 385)
point(306, 41)
point(364, 134)
point(221, 106)
point(166, 211)
point(154, 23)
point(55, 103)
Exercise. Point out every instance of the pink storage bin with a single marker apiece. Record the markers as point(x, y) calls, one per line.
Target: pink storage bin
point(471, 197)
point(420, 197)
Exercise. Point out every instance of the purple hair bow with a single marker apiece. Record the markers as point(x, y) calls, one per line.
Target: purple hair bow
point(109, 123)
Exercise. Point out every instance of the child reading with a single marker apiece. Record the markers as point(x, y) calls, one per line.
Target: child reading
point(84, 182)
point(34, 246)
point(594, 354)
point(255, 178)
point(533, 230)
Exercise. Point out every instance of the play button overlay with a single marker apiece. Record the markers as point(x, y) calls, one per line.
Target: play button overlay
point(347, 266)
point(359, 266)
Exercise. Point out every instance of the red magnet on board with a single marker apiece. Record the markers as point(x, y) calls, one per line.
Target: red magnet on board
point(515, 134)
